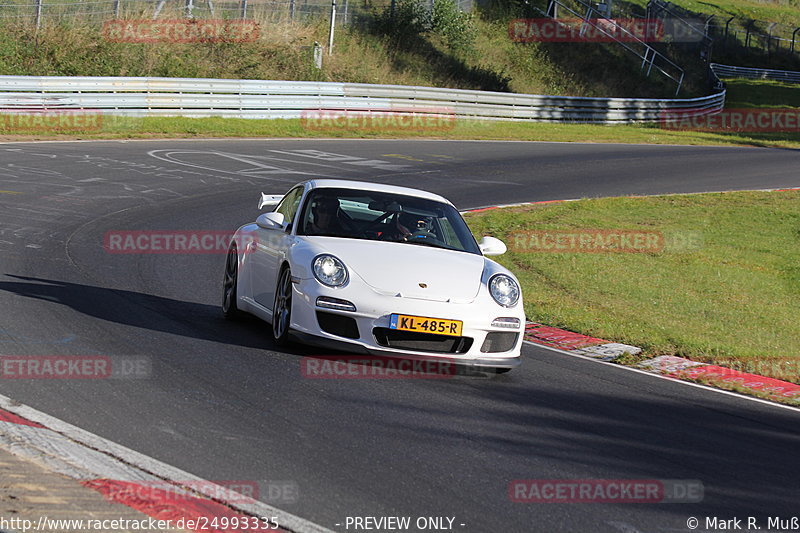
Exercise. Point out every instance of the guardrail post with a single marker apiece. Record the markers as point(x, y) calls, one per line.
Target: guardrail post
point(794, 35)
point(317, 55)
point(333, 23)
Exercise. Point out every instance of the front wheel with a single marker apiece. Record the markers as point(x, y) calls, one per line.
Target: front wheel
point(229, 285)
point(282, 309)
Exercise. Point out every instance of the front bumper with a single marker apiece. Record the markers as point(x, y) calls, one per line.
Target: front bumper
point(373, 313)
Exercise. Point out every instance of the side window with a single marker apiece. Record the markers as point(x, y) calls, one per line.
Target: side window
point(289, 204)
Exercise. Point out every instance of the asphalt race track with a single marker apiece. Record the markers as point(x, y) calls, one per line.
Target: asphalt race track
point(223, 404)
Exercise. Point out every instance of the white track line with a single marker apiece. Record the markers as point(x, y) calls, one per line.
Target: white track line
point(668, 378)
point(83, 455)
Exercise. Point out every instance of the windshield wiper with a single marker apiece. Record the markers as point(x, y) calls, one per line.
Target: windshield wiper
point(428, 243)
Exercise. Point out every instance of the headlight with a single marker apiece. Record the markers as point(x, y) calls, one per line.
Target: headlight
point(329, 270)
point(504, 290)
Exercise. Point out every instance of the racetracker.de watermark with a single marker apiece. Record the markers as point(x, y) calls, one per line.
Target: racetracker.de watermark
point(605, 491)
point(180, 31)
point(74, 367)
point(174, 242)
point(50, 120)
point(732, 120)
point(379, 120)
point(229, 491)
point(604, 241)
point(374, 367)
point(600, 30)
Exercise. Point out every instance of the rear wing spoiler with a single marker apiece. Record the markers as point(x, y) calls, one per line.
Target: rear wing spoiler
point(269, 200)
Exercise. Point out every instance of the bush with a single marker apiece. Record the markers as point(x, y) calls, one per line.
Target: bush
point(453, 25)
point(413, 18)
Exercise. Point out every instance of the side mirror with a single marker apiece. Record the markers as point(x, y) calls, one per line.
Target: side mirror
point(492, 246)
point(269, 200)
point(271, 220)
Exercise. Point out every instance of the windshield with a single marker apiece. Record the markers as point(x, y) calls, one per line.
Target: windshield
point(380, 216)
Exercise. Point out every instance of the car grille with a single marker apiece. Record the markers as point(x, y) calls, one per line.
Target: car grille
point(335, 324)
point(422, 342)
point(499, 341)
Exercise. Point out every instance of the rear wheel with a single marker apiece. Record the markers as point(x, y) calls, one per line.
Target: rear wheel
point(282, 309)
point(229, 285)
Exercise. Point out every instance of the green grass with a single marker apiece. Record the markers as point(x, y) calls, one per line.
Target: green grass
point(783, 11)
point(761, 93)
point(725, 290)
point(163, 127)
point(361, 55)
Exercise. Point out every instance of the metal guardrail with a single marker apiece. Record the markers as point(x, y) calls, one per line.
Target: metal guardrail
point(728, 71)
point(189, 97)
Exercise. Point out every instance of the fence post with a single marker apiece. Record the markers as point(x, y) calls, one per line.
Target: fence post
point(38, 13)
point(189, 8)
point(794, 34)
point(727, 23)
point(244, 9)
point(747, 35)
point(333, 23)
point(708, 24)
point(291, 9)
point(158, 8)
point(769, 38)
point(116, 9)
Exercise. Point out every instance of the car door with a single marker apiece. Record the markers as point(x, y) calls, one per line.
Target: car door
point(269, 249)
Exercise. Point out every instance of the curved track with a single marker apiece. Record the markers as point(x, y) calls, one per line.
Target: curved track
point(223, 404)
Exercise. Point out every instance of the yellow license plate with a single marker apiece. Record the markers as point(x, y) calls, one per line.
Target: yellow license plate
point(423, 324)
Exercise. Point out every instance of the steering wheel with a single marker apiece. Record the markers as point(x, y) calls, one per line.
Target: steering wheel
point(421, 235)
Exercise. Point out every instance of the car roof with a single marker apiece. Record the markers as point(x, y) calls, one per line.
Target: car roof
point(375, 187)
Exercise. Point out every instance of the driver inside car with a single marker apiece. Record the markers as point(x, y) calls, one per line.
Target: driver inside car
point(325, 218)
point(404, 225)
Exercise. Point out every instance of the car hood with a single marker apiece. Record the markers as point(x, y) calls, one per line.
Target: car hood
point(411, 270)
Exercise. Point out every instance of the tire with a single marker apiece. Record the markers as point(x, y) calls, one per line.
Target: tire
point(282, 308)
point(230, 284)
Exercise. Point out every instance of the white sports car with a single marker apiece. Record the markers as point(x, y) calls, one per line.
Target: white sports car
point(375, 269)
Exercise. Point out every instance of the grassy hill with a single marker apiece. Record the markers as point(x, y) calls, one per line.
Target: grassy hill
point(363, 53)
